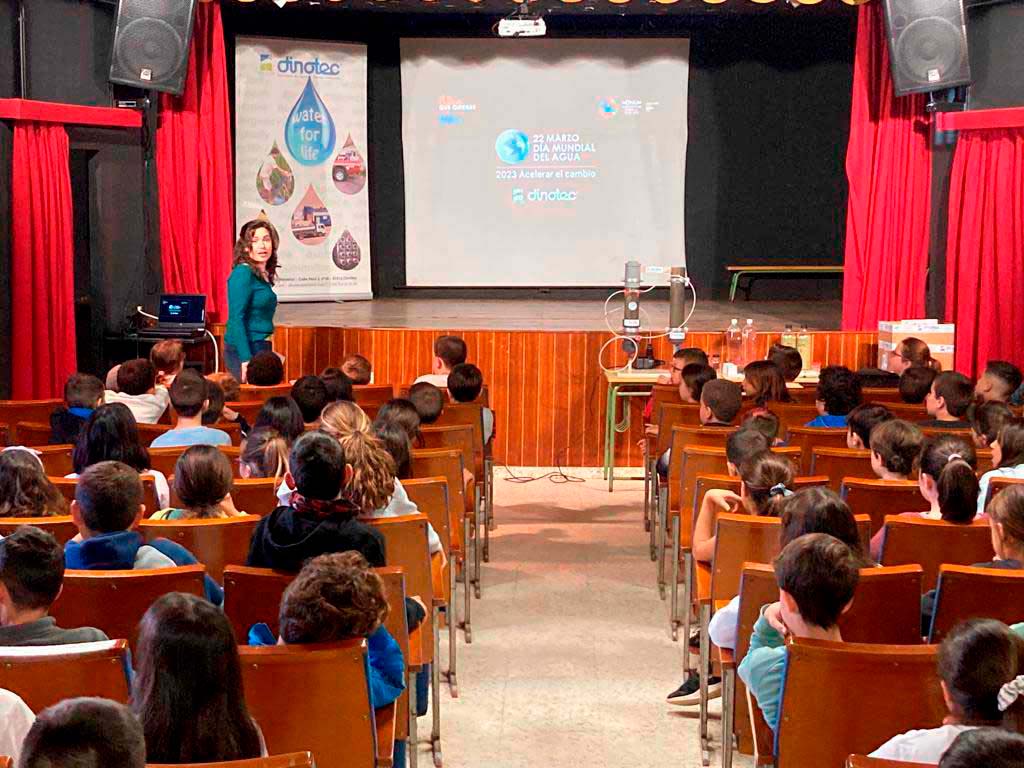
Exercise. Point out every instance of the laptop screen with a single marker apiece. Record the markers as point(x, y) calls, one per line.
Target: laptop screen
point(186, 309)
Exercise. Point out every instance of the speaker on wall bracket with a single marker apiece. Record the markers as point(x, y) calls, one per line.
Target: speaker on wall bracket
point(927, 44)
point(151, 43)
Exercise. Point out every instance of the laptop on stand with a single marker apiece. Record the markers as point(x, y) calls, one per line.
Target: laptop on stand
point(181, 316)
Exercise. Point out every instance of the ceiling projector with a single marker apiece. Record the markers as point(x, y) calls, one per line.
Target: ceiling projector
point(522, 27)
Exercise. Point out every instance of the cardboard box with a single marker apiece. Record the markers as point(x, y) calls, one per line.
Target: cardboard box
point(938, 336)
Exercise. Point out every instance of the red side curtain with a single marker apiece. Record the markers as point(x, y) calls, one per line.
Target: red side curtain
point(985, 248)
point(193, 161)
point(889, 172)
point(42, 262)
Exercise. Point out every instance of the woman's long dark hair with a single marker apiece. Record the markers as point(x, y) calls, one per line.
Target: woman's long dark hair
point(281, 414)
point(110, 434)
point(188, 691)
point(768, 382)
point(242, 245)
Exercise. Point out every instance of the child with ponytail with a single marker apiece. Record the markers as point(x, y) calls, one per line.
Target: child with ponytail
point(981, 665)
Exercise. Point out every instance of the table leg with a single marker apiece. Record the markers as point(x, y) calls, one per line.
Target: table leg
point(735, 283)
point(609, 435)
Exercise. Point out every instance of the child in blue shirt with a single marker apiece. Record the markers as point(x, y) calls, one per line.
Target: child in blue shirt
point(838, 394)
point(817, 575)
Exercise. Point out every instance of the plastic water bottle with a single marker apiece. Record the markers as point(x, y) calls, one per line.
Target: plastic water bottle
point(788, 337)
point(803, 346)
point(734, 343)
point(749, 342)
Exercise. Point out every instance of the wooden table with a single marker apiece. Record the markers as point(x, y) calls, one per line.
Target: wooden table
point(623, 384)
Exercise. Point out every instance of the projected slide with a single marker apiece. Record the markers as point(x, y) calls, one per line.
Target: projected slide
point(542, 162)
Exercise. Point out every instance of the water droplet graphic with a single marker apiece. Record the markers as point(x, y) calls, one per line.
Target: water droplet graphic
point(275, 181)
point(309, 132)
point(311, 221)
point(349, 171)
point(346, 252)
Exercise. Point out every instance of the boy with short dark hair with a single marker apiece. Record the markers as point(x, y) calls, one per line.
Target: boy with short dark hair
point(838, 394)
point(915, 383)
point(999, 381)
point(84, 733)
point(720, 403)
point(862, 420)
point(137, 389)
point(428, 401)
point(168, 357)
point(265, 369)
point(465, 383)
point(31, 577)
point(895, 445)
point(817, 576)
point(310, 394)
point(339, 385)
point(82, 395)
point(948, 401)
point(190, 397)
point(449, 351)
point(358, 369)
point(107, 506)
point(789, 361)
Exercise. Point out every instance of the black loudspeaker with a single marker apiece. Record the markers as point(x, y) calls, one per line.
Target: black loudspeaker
point(151, 44)
point(927, 44)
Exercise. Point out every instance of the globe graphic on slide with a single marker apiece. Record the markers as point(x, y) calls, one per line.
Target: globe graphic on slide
point(512, 146)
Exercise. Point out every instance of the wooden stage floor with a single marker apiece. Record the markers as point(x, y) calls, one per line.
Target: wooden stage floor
point(550, 314)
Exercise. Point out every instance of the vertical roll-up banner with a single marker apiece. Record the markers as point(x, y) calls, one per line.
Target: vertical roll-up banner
point(300, 161)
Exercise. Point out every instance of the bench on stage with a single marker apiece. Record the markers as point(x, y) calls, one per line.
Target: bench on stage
point(760, 270)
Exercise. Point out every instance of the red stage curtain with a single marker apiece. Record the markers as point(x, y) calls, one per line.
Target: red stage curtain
point(889, 171)
point(193, 156)
point(985, 248)
point(42, 262)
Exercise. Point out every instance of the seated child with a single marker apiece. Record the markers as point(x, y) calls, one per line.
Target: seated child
point(720, 404)
point(895, 445)
point(764, 384)
point(767, 423)
point(265, 454)
point(947, 482)
point(187, 689)
point(981, 665)
point(680, 359)
point(861, 421)
point(987, 420)
point(401, 413)
point(427, 400)
point(691, 386)
point(264, 369)
point(1007, 458)
point(17, 719)
point(31, 575)
point(948, 400)
point(84, 733)
point(82, 395)
point(339, 385)
point(817, 576)
point(916, 383)
point(310, 394)
point(789, 361)
point(998, 383)
point(107, 506)
point(168, 358)
point(216, 410)
point(990, 747)
point(321, 518)
point(137, 388)
point(202, 481)
point(396, 442)
point(25, 490)
point(358, 369)
point(838, 394)
point(464, 385)
point(281, 414)
point(449, 351)
point(189, 398)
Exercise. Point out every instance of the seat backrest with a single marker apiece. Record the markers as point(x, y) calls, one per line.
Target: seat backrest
point(430, 495)
point(393, 578)
point(150, 432)
point(884, 395)
point(35, 411)
point(56, 459)
point(740, 539)
point(372, 394)
point(290, 760)
point(67, 486)
point(462, 438)
point(249, 409)
point(809, 438)
point(996, 484)
point(878, 498)
point(255, 495)
point(44, 675)
point(164, 459)
point(961, 432)
point(455, 414)
point(61, 526)
point(692, 461)
point(886, 607)
point(115, 601)
point(838, 463)
point(250, 393)
point(446, 463)
point(215, 543)
point(930, 543)
point(964, 592)
point(32, 433)
point(814, 731)
point(672, 414)
point(911, 412)
point(661, 395)
point(793, 414)
point(314, 697)
point(405, 540)
point(252, 596)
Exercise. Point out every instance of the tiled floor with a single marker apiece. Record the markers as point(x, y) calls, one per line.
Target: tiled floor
point(571, 657)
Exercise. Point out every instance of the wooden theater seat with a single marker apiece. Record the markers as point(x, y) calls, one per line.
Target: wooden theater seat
point(44, 675)
point(814, 731)
point(32, 433)
point(460, 437)
point(253, 596)
point(912, 412)
point(372, 394)
point(56, 459)
point(115, 601)
point(255, 495)
point(997, 484)
point(248, 409)
point(290, 760)
point(67, 486)
point(35, 411)
point(165, 459)
point(930, 543)
point(250, 393)
point(215, 543)
point(882, 395)
point(809, 438)
point(61, 526)
point(838, 463)
point(313, 697)
point(964, 592)
point(878, 498)
point(793, 415)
